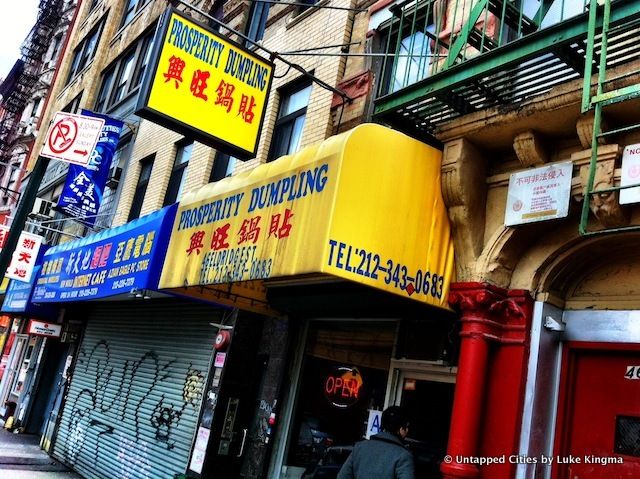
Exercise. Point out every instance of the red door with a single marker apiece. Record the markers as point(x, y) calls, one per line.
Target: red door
point(599, 435)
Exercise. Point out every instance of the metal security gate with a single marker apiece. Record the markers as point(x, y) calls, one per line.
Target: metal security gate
point(135, 394)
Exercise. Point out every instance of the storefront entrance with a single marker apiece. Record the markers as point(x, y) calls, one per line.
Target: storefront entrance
point(342, 378)
point(600, 426)
point(425, 390)
point(351, 370)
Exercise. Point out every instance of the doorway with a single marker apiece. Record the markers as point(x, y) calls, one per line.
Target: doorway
point(425, 390)
point(599, 425)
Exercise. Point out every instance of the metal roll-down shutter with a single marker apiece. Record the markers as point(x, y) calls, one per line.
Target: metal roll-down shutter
point(135, 394)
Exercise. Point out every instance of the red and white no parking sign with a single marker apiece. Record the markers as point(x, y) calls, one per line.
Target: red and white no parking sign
point(72, 138)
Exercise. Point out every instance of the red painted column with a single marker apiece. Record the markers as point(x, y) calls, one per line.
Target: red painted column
point(474, 301)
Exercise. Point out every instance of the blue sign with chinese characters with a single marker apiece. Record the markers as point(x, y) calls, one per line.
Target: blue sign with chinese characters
point(83, 191)
point(114, 261)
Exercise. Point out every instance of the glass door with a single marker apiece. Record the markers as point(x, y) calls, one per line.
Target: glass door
point(10, 376)
point(426, 392)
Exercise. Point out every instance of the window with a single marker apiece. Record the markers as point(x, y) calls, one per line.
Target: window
point(84, 53)
point(291, 115)
point(133, 7)
point(176, 181)
point(107, 79)
point(55, 46)
point(412, 44)
point(74, 105)
point(414, 60)
point(257, 20)
point(222, 167)
point(146, 166)
point(305, 8)
point(124, 76)
point(37, 103)
point(14, 175)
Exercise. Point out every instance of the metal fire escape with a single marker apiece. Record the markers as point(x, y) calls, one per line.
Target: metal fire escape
point(503, 53)
point(601, 31)
point(26, 74)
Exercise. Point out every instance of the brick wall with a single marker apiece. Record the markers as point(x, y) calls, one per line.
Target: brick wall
point(285, 31)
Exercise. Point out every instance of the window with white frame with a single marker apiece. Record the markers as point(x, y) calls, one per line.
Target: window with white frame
point(123, 78)
point(287, 134)
point(85, 51)
point(178, 173)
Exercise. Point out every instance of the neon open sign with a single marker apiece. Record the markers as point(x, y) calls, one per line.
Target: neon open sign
point(342, 387)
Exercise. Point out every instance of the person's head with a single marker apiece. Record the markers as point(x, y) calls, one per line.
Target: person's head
point(395, 421)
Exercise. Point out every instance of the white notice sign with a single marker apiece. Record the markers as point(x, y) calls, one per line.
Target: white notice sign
point(373, 423)
point(539, 194)
point(72, 138)
point(41, 328)
point(630, 174)
point(199, 450)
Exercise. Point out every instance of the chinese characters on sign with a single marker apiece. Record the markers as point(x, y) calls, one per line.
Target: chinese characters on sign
point(24, 257)
point(115, 261)
point(232, 237)
point(328, 210)
point(204, 85)
point(84, 188)
point(630, 174)
point(539, 194)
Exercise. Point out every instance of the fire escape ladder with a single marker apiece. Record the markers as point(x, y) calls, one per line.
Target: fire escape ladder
point(606, 94)
point(32, 54)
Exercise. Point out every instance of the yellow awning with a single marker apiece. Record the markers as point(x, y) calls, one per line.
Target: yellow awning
point(365, 205)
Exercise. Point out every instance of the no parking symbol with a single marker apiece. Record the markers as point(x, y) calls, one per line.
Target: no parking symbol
point(72, 138)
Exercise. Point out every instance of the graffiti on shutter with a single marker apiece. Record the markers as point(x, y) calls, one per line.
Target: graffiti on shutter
point(92, 413)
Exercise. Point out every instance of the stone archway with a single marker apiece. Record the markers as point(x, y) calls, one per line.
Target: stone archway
point(597, 273)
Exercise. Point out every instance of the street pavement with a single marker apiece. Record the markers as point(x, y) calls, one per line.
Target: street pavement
point(22, 458)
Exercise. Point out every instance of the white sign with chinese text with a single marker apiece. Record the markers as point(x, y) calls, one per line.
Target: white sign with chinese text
point(72, 138)
point(24, 256)
point(630, 174)
point(41, 328)
point(539, 194)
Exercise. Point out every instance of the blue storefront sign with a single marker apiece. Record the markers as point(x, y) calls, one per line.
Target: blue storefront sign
point(18, 298)
point(84, 188)
point(112, 262)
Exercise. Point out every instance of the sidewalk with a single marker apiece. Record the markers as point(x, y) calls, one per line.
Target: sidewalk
point(22, 458)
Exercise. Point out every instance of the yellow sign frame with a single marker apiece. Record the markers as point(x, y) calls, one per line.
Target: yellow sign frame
point(205, 86)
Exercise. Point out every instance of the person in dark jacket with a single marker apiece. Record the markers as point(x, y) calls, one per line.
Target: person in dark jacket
point(384, 455)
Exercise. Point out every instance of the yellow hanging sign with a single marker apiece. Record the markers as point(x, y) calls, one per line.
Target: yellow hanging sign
point(203, 85)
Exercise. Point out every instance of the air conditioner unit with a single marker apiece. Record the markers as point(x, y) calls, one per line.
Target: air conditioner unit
point(115, 173)
point(43, 208)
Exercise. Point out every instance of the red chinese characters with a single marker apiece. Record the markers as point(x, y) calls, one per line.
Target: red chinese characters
point(250, 230)
point(220, 236)
point(3, 237)
point(25, 257)
point(196, 243)
point(224, 92)
point(281, 229)
point(199, 84)
point(246, 108)
point(176, 66)
point(225, 95)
